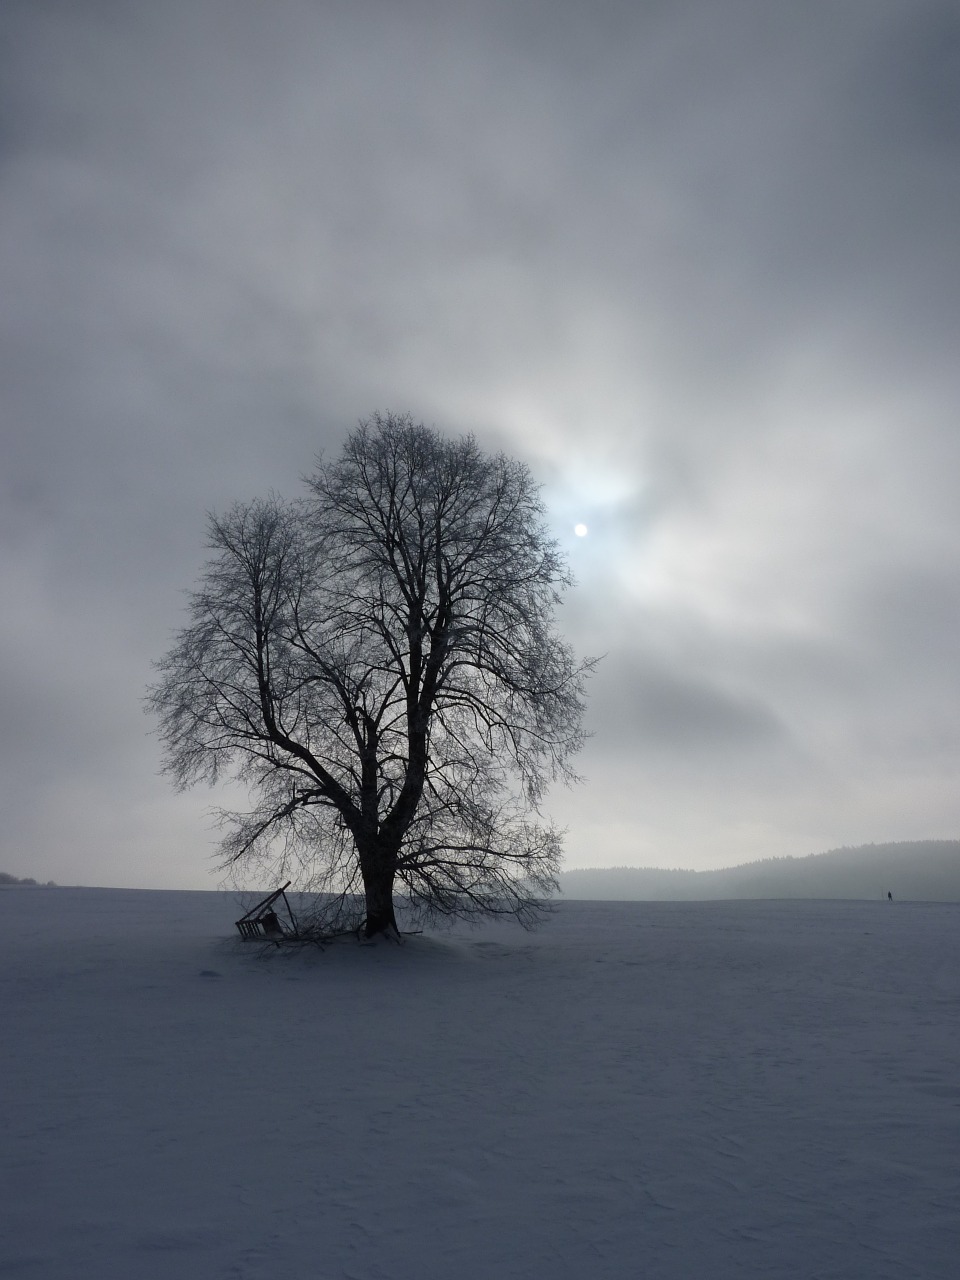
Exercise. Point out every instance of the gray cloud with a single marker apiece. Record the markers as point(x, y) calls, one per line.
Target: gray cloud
point(661, 712)
point(696, 262)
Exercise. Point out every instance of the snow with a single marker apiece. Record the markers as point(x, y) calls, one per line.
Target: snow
point(676, 1090)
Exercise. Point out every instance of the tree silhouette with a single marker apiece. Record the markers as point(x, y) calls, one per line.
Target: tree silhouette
point(379, 663)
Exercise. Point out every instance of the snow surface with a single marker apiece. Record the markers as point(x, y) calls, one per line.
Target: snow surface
point(745, 1089)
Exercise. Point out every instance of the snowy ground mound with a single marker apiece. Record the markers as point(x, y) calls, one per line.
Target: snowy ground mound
point(762, 1089)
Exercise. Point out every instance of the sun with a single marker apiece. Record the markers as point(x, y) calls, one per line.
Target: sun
point(580, 530)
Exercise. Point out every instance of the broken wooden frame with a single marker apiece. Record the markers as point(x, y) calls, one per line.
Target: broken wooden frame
point(262, 921)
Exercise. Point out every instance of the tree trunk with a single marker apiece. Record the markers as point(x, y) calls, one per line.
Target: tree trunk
point(378, 890)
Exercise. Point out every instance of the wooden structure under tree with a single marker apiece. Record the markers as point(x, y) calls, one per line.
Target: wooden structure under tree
point(262, 921)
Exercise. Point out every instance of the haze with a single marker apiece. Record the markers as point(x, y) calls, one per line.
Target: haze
point(696, 263)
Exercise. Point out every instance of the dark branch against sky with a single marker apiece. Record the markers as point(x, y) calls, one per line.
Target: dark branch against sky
point(696, 263)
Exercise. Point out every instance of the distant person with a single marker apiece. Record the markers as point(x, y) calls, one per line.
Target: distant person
point(889, 896)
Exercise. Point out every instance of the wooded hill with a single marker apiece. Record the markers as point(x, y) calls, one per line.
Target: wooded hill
point(917, 870)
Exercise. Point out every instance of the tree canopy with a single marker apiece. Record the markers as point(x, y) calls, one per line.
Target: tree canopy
point(379, 663)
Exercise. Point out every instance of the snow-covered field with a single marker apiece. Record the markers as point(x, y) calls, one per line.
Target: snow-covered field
point(695, 1090)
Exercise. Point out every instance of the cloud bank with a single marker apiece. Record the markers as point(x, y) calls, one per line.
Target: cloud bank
point(696, 263)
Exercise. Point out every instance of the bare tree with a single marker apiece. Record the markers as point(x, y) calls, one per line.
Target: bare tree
point(380, 664)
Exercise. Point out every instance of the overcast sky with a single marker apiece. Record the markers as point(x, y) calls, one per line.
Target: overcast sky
point(697, 263)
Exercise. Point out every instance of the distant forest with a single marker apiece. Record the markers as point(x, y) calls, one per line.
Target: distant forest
point(910, 870)
point(915, 870)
